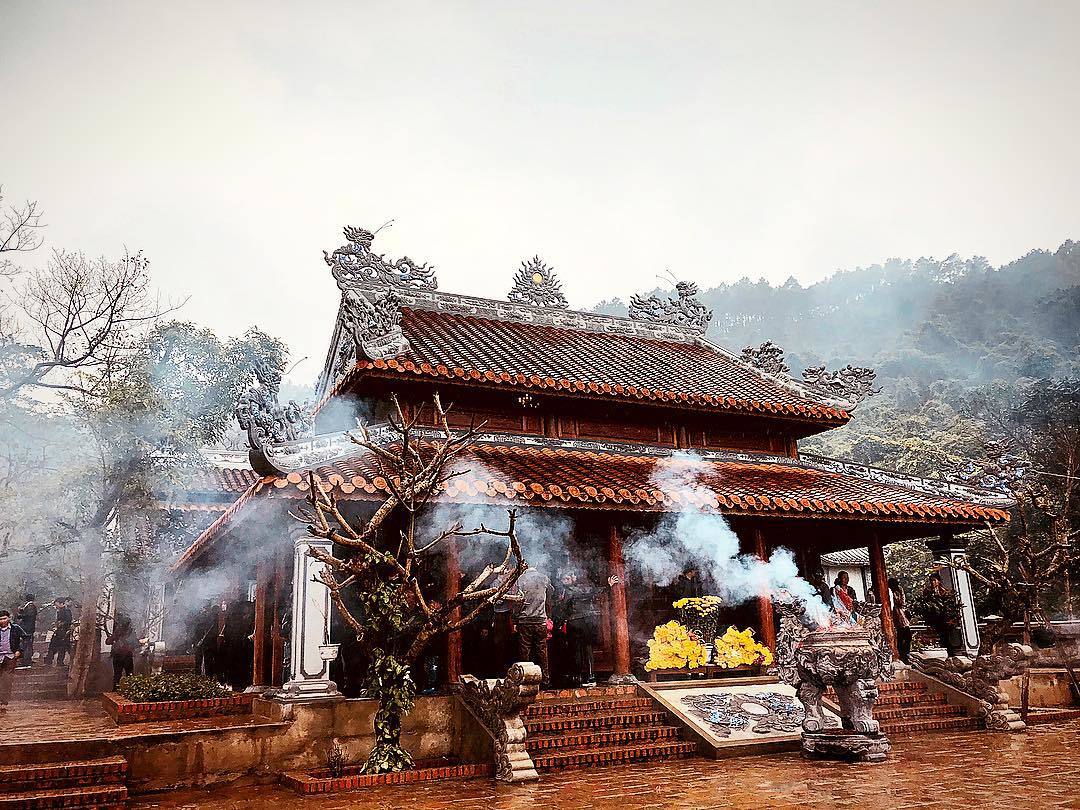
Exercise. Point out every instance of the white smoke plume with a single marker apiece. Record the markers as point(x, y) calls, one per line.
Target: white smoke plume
point(696, 537)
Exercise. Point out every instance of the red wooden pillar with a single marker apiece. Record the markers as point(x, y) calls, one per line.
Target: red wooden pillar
point(766, 617)
point(453, 583)
point(263, 616)
point(620, 629)
point(881, 588)
point(278, 607)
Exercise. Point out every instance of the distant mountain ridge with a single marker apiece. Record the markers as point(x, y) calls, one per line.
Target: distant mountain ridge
point(917, 322)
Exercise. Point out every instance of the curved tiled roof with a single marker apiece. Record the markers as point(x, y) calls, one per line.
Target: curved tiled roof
point(576, 474)
point(489, 351)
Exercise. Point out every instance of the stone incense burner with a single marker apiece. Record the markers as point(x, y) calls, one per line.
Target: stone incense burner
point(850, 659)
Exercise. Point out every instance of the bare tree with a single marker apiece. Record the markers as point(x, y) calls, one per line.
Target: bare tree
point(388, 566)
point(20, 232)
point(79, 318)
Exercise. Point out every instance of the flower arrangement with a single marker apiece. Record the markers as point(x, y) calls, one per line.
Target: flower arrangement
point(674, 647)
point(738, 648)
point(700, 614)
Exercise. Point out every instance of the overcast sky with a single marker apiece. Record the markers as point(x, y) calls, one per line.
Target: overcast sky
point(232, 141)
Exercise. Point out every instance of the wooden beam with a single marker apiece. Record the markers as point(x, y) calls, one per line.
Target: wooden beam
point(451, 588)
point(620, 629)
point(881, 588)
point(766, 617)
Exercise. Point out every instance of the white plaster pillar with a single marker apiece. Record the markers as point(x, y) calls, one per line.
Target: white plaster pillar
point(949, 548)
point(309, 671)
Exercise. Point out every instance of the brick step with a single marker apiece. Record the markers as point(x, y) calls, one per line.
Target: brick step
point(561, 742)
point(613, 755)
point(1043, 716)
point(918, 712)
point(931, 724)
point(594, 722)
point(39, 694)
point(911, 700)
point(578, 707)
point(589, 693)
point(60, 775)
point(893, 687)
point(101, 796)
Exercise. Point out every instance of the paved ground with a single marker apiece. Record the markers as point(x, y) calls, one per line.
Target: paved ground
point(63, 720)
point(1039, 769)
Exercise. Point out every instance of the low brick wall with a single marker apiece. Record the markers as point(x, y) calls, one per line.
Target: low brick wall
point(295, 737)
point(122, 710)
point(321, 781)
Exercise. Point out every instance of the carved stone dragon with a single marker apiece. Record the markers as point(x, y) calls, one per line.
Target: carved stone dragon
point(685, 310)
point(768, 357)
point(498, 704)
point(375, 325)
point(266, 421)
point(981, 679)
point(356, 263)
point(850, 384)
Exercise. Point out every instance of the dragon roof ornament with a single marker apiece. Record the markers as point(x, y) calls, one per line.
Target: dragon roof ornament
point(684, 310)
point(768, 357)
point(850, 384)
point(375, 325)
point(535, 283)
point(356, 263)
point(266, 421)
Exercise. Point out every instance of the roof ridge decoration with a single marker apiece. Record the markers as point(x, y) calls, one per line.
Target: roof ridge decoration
point(266, 421)
point(684, 310)
point(768, 357)
point(850, 384)
point(535, 283)
point(356, 263)
point(374, 324)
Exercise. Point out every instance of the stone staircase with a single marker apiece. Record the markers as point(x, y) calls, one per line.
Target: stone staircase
point(905, 707)
point(38, 683)
point(599, 726)
point(97, 783)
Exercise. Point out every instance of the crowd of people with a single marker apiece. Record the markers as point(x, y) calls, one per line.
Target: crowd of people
point(554, 625)
point(18, 636)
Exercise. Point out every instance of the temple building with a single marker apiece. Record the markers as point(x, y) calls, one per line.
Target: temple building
point(585, 420)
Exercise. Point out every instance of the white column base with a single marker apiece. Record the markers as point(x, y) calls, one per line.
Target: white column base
point(308, 690)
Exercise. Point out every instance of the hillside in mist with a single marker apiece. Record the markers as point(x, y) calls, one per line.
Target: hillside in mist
point(918, 322)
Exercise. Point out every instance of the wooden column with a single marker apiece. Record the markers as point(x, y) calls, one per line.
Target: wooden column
point(620, 629)
point(259, 675)
point(881, 588)
point(766, 617)
point(277, 641)
point(453, 583)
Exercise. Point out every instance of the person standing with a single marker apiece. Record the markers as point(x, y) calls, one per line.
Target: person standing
point(533, 619)
point(844, 598)
point(577, 616)
point(901, 622)
point(11, 639)
point(27, 620)
point(60, 643)
point(122, 643)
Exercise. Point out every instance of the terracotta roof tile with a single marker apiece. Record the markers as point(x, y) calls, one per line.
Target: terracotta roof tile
point(500, 352)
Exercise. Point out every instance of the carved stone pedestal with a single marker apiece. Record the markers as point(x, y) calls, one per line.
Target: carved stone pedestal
point(850, 746)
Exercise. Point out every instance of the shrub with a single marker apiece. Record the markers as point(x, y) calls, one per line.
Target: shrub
point(170, 686)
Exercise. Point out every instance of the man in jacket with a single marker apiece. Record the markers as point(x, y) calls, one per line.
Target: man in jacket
point(533, 620)
point(27, 620)
point(60, 643)
point(11, 638)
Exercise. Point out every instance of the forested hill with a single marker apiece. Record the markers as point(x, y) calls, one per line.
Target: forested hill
point(917, 322)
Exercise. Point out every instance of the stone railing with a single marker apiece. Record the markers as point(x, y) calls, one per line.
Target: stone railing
point(498, 704)
point(980, 678)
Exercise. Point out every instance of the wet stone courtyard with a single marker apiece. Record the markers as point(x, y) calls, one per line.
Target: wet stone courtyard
point(1039, 768)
